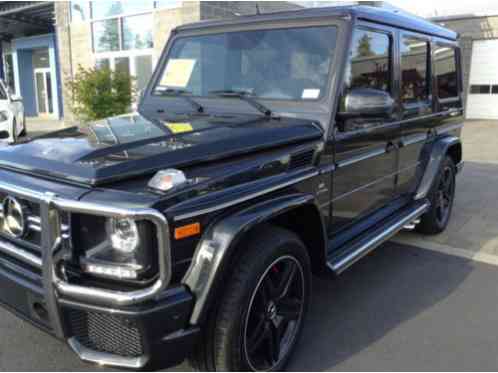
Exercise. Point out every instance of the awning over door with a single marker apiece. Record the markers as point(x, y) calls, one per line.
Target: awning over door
point(25, 18)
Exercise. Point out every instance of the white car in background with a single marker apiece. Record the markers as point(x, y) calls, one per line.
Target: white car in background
point(12, 118)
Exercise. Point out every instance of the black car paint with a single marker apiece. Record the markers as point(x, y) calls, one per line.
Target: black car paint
point(81, 156)
point(243, 178)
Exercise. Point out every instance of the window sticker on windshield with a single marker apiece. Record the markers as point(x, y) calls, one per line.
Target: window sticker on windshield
point(311, 94)
point(178, 72)
point(179, 127)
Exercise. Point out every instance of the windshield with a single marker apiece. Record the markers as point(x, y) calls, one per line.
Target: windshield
point(284, 64)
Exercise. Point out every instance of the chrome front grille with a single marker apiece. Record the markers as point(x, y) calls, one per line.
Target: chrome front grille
point(32, 238)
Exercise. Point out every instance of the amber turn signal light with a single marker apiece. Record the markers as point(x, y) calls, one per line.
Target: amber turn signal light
point(187, 231)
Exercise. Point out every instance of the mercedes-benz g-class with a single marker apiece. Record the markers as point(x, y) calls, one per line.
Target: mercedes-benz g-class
point(265, 149)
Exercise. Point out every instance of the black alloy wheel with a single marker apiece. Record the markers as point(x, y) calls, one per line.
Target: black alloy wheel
point(444, 195)
point(275, 312)
point(441, 197)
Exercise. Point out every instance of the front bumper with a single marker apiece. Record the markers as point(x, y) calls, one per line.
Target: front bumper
point(153, 335)
point(147, 328)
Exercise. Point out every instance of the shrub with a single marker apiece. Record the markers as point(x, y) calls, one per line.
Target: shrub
point(100, 93)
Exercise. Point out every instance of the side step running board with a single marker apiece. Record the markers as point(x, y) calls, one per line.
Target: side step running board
point(342, 258)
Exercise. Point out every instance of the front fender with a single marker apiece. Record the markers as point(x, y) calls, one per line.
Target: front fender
point(214, 251)
point(437, 154)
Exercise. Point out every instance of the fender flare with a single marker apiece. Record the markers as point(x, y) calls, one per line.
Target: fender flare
point(216, 247)
point(438, 152)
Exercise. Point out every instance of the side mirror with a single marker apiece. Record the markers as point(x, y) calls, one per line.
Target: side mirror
point(367, 102)
point(4, 135)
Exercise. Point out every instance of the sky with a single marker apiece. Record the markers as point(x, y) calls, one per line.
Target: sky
point(431, 8)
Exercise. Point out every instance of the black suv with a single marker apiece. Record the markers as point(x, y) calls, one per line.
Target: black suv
point(266, 149)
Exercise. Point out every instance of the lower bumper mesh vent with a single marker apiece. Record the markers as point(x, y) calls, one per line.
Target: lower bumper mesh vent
point(106, 333)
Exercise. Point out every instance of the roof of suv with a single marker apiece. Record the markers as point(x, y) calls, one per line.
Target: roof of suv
point(375, 14)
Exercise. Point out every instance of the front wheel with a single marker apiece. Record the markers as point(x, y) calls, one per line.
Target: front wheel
point(260, 315)
point(441, 197)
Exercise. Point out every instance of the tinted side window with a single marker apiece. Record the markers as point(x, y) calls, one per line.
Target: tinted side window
point(446, 72)
point(370, 65)
point(414, 78)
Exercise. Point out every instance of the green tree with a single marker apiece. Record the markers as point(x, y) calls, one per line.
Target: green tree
point(365, 46)
point(100, 93)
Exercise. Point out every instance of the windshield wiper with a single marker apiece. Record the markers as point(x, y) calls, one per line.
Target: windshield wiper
point(183, 93)
point(245, 96)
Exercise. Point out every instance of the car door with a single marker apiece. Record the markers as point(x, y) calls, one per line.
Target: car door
point(365, 153)
point(416, 107)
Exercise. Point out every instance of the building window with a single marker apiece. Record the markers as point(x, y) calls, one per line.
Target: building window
point(122, 65)
point(480, 89)
point(137, 32)
point(446, 72)
point(137, 65)
point(123, 36)
point(143, 71)
point(414, 62)
point(103, 63)
point(106, 36)
point(123, 33)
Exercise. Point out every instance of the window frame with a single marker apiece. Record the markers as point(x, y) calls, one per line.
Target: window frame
point(441, 43)
point(428, 102)
point(392, 34)
point(156, 78)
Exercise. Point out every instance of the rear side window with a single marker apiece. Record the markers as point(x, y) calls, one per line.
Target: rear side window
point(370, 65)
point(446, 72)
point(414, 67)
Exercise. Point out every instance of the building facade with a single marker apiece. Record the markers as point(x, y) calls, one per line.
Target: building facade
point(43, 44)
point(29, 56)
point(479, 43)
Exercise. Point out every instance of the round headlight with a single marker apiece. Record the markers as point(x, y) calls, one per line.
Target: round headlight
point(123, 234)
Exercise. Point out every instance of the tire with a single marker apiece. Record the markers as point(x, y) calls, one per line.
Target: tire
point(14, 128)
point(441, 197)
point(251, 302)
point(23, 132)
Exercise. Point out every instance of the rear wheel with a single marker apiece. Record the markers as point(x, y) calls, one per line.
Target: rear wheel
point(260, 315)
point(14, 131)
point(441, 196)
point(23, 131)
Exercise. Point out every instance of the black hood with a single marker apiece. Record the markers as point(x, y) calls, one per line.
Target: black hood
point(131, 145)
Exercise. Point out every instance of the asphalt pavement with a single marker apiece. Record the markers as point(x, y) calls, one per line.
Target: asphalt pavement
point(400, 308)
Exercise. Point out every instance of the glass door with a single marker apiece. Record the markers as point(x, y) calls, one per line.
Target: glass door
point(43, 89)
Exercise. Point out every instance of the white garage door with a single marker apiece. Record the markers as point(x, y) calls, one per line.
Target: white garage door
point(482, 101)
